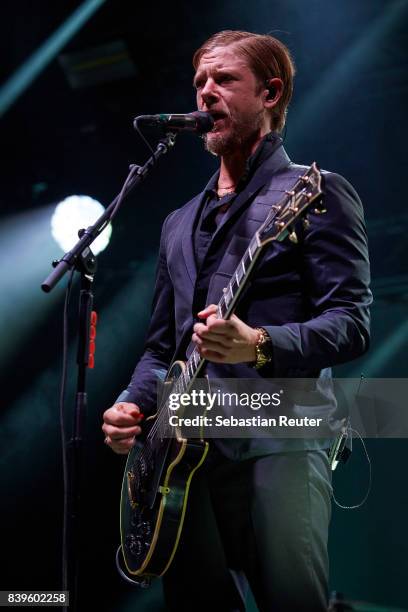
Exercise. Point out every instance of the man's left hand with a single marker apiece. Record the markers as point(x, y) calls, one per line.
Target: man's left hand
point(231, 341)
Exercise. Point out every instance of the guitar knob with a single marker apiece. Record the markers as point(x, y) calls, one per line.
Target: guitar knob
point(133, 545)
point(144, 528)
point(129, 540)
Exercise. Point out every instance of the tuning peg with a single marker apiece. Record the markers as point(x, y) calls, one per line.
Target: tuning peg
point(293, 237)
point(306, 223)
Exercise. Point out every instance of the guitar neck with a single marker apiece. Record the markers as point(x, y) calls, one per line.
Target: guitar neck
point(232, 292)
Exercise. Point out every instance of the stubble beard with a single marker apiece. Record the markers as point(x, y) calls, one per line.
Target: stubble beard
point(240, 133)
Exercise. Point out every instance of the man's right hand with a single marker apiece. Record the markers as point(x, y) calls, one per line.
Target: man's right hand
point(121, 425)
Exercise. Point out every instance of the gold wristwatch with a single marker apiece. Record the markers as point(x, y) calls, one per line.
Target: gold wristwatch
point(263, 349)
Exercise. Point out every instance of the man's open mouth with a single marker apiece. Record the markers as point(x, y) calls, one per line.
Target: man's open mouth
point(218, 115)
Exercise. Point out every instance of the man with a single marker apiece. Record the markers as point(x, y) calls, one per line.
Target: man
point(258, 510)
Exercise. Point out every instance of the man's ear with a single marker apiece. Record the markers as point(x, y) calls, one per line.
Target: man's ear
point(273, 91)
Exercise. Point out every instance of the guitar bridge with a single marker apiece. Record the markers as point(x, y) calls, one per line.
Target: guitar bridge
point(131, 488)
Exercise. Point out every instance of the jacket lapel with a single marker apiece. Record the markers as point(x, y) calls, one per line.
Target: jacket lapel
point(187, 228)
point(278, 160)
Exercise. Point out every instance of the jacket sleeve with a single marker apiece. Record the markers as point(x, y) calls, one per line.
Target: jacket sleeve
point(336, 276)
point(160, 342)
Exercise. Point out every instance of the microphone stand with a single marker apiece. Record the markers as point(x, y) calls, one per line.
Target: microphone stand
point(81, 259)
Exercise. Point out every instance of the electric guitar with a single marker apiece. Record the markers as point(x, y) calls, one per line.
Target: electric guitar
point(158, 474)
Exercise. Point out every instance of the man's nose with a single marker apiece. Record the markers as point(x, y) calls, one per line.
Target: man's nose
point(209, 92)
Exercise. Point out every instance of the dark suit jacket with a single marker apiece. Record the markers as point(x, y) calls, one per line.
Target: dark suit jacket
point(313, 297)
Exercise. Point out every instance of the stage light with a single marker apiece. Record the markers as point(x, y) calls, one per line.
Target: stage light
point(74, 213)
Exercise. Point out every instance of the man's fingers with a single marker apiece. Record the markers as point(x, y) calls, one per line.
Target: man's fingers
point(121, 433)
point(208, 345)
point(209, 310)
point(121, 425)
point(121, 420)
point(127, 408)
point(214, 356)
point(121, 447)
point(123, 415)
point(221, 326)
point(218, 328)
point(216, 343)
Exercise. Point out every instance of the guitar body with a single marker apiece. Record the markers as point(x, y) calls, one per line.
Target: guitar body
point(155, 490)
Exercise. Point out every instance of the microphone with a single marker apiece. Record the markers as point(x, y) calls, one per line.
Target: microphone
point(193, 122)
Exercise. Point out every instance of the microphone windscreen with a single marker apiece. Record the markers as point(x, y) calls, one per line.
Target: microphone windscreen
point(205, 122)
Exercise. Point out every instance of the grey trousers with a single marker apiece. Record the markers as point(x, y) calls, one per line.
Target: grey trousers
point(263, 521)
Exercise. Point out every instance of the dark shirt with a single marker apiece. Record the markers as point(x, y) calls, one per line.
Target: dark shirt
point(212, 212)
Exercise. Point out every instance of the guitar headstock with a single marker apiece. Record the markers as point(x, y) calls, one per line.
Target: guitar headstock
point(280, 220)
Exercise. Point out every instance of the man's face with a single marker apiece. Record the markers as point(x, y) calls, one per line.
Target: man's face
point(229, 91)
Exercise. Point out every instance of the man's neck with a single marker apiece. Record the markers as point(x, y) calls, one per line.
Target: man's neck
point(233, 164)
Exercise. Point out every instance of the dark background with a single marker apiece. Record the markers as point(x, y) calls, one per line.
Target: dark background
point(348, 114)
